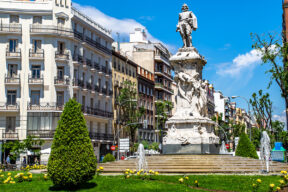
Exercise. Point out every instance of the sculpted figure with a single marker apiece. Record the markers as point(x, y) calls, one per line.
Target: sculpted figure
point(186, 24)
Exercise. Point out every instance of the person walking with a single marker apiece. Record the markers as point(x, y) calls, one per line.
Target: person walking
point(8, 159)
point(24, 161)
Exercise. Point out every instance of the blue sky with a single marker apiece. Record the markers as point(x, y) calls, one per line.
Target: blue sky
point(223, 36)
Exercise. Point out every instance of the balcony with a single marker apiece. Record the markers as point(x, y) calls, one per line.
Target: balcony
point(49, 134)
point(13, 54)
point(101, 136)
point(163, 74)
point(14, 80)
point(9, 107)
point(45, 106)
point(10, 28)
point(78, 83)
point(36, 80)
point(162, 58)
point(50, 30)
point(96, 112)
point(89, 62)
point(164, 88)
point(97, 45)
point(62, 82)
point(95, 66)
point(62, 56)
point(36, 54)
point(77, 59)
point(10, 135)
point(106, 71)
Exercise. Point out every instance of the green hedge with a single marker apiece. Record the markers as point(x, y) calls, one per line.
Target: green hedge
point(108, 158)
point(72, 160)
point(245, 148)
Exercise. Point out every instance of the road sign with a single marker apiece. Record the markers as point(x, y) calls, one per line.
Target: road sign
point(113, 148)
point(124, 145)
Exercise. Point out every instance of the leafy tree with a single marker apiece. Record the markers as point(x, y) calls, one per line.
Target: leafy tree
point(72, 160)
point(130, 112)
point(262, 107)
point(17, 147)
point(245, 148)
point(256, 137)
point(272, 52)
point(162, 111)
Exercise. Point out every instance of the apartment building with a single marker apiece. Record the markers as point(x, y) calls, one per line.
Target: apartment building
point(123, 70)
point(224, 106)
point(50, 52)
point(153, 57)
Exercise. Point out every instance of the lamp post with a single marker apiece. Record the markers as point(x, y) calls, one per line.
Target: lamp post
point(249, 114)
point(118, 124)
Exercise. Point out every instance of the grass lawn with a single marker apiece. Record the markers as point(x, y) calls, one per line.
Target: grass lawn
point(160, 183)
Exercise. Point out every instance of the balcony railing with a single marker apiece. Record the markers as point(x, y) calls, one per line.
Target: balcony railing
point(78, 83)
point(10, 135)
point(96, 112)
point(36, 79)
point(36, 53)
point(15, 80)
point(88, 62)
point(13, 53)
point(11, 28)
point(96, 66)
point(62, 55)
point(41, 133)
point(45, 106)
point(97, 45)
point(61, 81)
point(97, 88)
point(51, 29)
point(9, 106)
point(78, 58)
point(159, 85)
point(101, 136)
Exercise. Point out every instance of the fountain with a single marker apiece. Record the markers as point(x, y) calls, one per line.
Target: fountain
point(265, 151)
point(142, 163)
point(223, 149)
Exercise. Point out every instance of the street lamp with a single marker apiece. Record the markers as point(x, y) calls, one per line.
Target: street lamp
point(234, 97)
point(118, 123)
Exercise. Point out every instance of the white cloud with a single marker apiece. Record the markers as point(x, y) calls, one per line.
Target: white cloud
point(281, 117)
point(247, 61)
point(122, 26)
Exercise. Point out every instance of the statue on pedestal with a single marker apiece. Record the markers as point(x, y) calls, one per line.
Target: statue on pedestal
point(186, 24)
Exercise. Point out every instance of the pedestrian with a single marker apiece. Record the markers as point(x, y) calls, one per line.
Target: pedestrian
point(36, 161)
point(24, 161)
point(8, 159)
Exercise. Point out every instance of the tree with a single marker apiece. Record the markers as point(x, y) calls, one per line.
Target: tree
point(17, 147)
point(272, 52)
point(162, 110)
point(262, 107)
point(245, 148)
point(129, 111)
point(72, 160)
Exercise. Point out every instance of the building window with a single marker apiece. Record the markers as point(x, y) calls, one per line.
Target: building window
point(91, 126)
point(83, 101)
point(12, 70)
point(35, 97)
point(61, 47)
point(60, 98)
point(37, 20)
point(10, 124)
point(36, 71)
point(14, 19)
point(106, 128)
point(11, 97)
point(60, 73)
point(13, 45)
point(61, 22)
point(36, 45)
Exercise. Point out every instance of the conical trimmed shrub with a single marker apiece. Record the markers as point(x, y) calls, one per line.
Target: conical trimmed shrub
point(245, 148)
point(72, 160)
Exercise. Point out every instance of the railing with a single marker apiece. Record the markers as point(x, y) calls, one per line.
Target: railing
point(61, 81)
point(36, 53)
point(41, 133)
point(162, 71)
point(162, 86)
point(12, 80)
point(11, 28)
point(96, 66)
point(78, 58)
point(51, 29)
point(89, 85)
point(97, 45)
point(46, 106)
point(10, 135)
point(97, 88)
point(36, 79)
point(9, 106)
point(162, 56)
point(97, 112)
point(101, 136)
point(88, 62)
point(78, 35)
point(13, 53)
point(62, 55)
point(78, 82)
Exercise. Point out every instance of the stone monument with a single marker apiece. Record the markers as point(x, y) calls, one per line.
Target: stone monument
point(189, 130)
